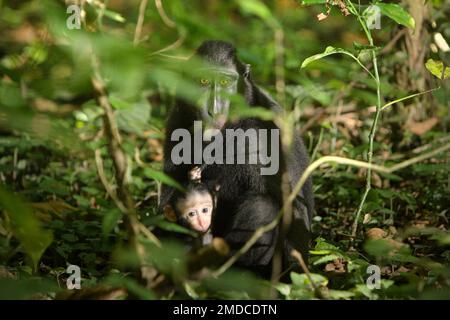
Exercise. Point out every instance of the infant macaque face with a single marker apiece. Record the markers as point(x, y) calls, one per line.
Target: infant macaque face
point(196, 210)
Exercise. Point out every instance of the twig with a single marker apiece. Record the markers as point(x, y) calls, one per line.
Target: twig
point(297, 255)
point(393, 41)
point(311, 122)
point(279, 66)
point(319, 142)
point(108, 187)
point(111, 192)
point(147, 273)
point(15, 156)
point(277, 261)
point(163, 15)
point(172, 46)
point(140, 22)
point(168, 22)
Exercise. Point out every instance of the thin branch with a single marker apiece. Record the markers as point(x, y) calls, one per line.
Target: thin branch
point(408, 97)
point(172, 46)
point(108, 187)
point(131, 220)
point(280, 84)
point(167, 21)
point(297, 255)
point(140, 22)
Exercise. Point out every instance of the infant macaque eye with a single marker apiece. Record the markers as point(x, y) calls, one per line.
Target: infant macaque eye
point(205, 210)
point(191, 214)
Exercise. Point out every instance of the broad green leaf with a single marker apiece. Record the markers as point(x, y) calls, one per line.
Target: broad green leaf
point(326, 258)
point(162, 223)
point(340, 294)
point(302, 280)
point(25, 288)
point(397, 13)
point(162, 177)
point(26, 227)
point(319, 252)
point(132, 285)
point(364, 290)
point(436, 67)
point(110, 220)
point(323, 247)
point(329, 51)
point(283, 288)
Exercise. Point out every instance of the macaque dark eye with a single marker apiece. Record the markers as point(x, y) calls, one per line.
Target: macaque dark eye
point(191, 214)
point(205, 210)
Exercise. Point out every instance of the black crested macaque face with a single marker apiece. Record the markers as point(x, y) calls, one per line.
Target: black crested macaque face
point(217, 85)
point(218, 80)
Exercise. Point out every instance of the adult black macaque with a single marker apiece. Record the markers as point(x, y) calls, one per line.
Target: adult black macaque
point(246, 199)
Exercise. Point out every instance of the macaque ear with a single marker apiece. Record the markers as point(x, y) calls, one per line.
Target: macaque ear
point(169, 213)
point(216, 187)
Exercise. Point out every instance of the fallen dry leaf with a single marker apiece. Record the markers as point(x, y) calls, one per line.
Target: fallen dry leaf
point(420, 128)
point(338, 266)
point(375, 234)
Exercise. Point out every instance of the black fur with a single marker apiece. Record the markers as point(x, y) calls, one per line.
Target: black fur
point(246, 200)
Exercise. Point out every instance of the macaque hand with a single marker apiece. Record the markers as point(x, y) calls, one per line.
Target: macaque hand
point(195, 174)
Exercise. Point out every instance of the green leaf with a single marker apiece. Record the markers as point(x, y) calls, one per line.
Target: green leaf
point(364, 290)
point(328, 51)
point(323, 247)
point(397, 13)
point(359, 47)
point(11, 289)
point(436, 67)
point(132, 285)
point(312, 2)
point(302, 280)
point(162, 177)
point(283, 288)
point(332, 50)
point(326, 258)
point(110, 220)
point(259, 9)
point(26, 227)
point(173, 227)
point(319, 252)
point(340, 294)
point(112, 15)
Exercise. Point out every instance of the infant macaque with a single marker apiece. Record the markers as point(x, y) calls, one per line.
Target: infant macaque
point(194, 207)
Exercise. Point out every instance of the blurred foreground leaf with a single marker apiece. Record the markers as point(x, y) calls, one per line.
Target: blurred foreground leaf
point(26, 227)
